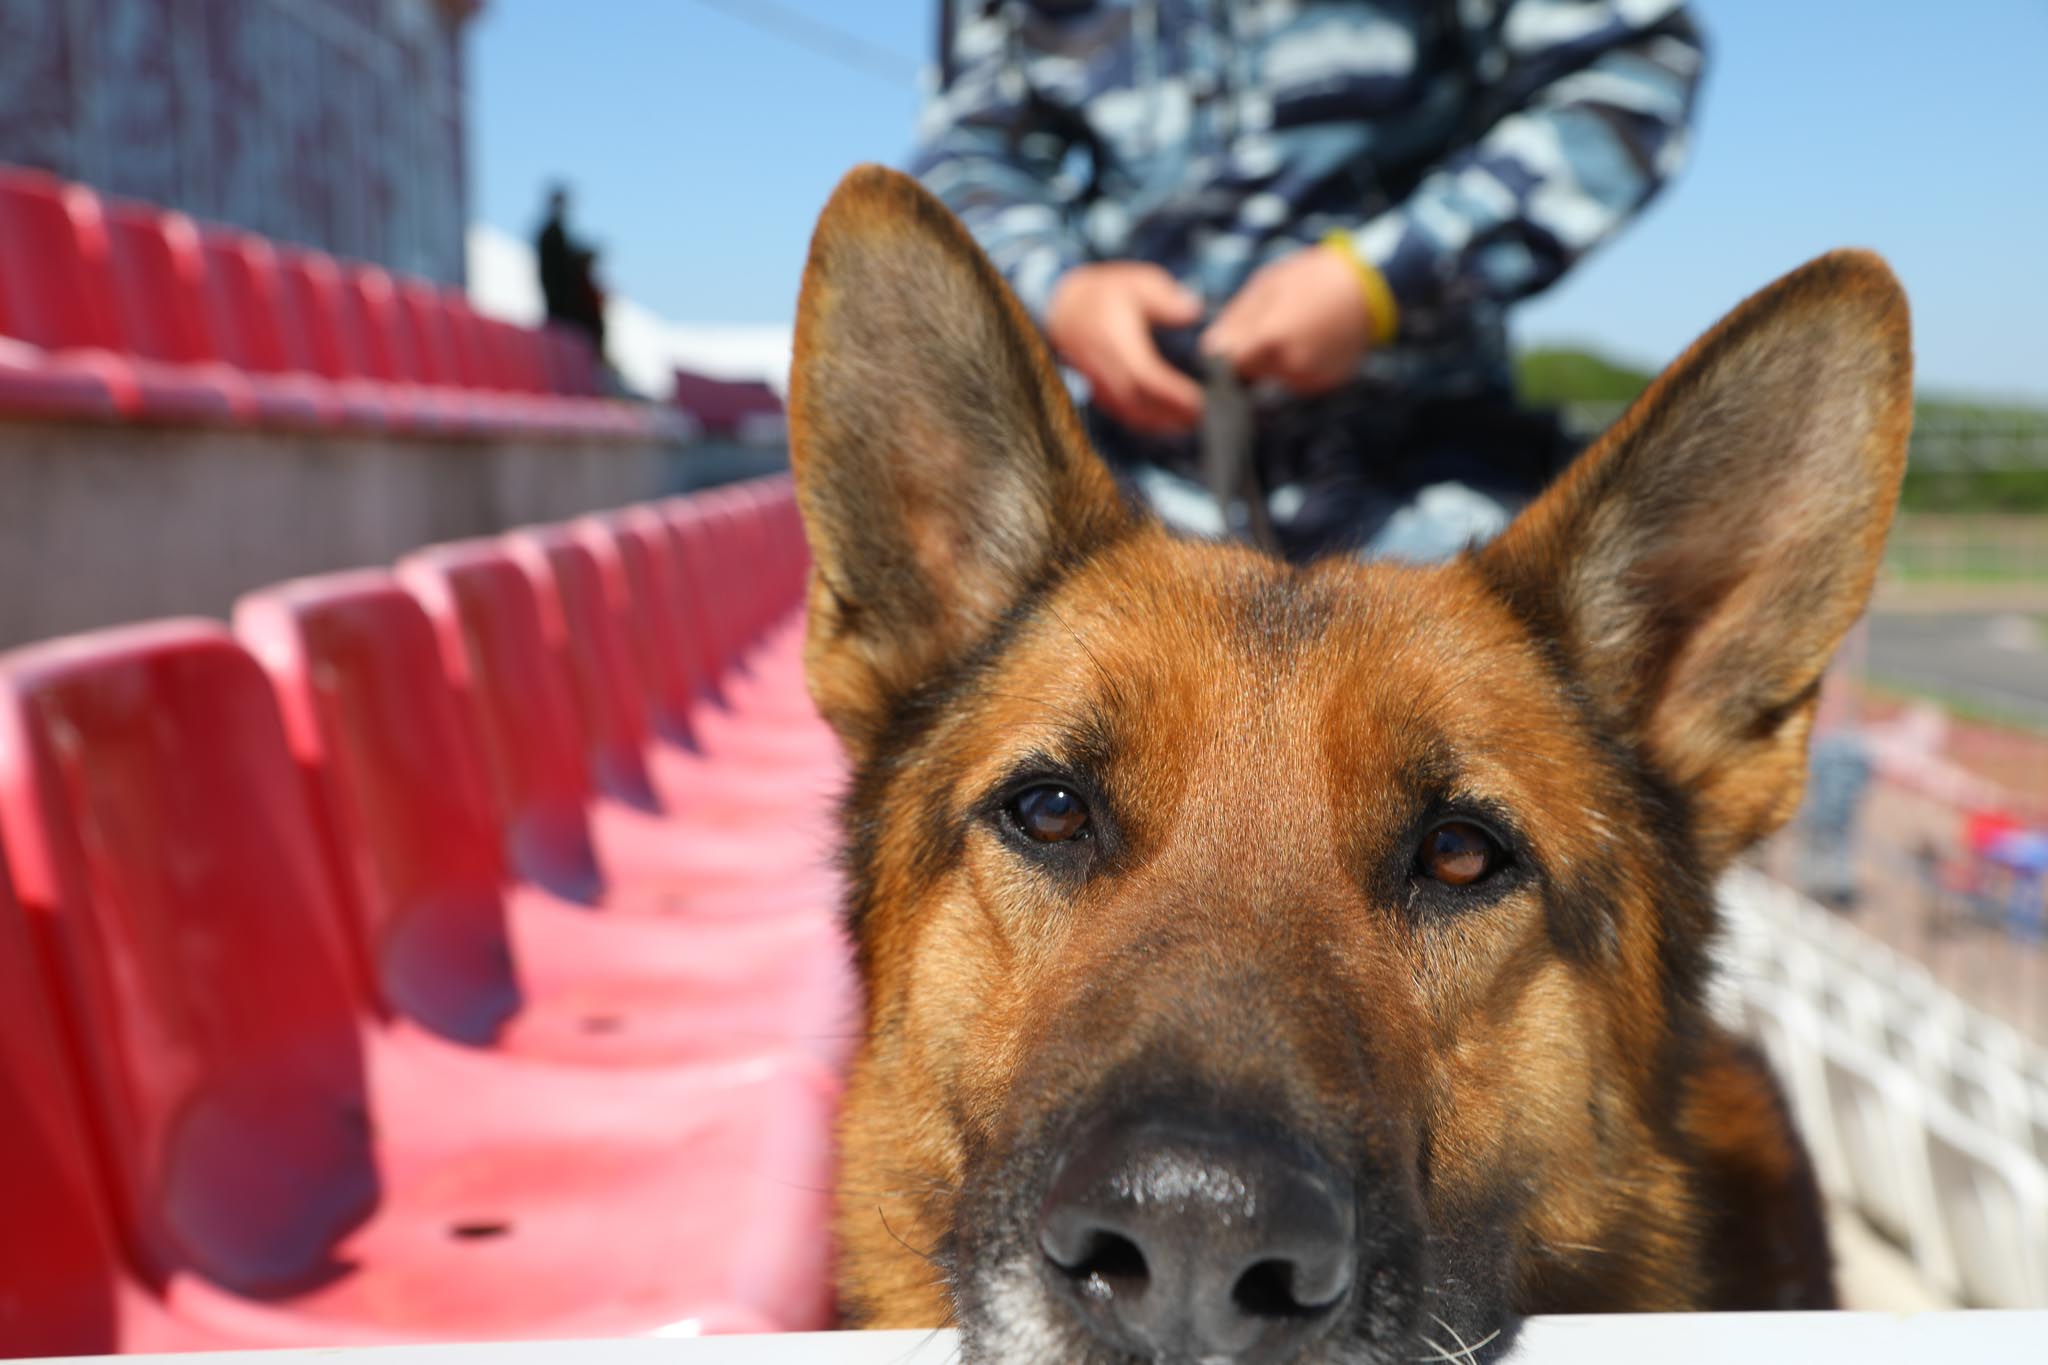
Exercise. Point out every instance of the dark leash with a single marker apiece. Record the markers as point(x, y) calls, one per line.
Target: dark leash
point(1227, 441)
point(1229, 455)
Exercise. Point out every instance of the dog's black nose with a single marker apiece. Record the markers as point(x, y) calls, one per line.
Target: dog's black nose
point(1188, 1242)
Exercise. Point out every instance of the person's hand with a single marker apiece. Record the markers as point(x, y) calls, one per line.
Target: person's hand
point(1301, 321)
point(1100, 320)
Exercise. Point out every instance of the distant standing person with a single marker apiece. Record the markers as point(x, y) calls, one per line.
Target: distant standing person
point(568, 279)
point(587, 298)
point(559, 285)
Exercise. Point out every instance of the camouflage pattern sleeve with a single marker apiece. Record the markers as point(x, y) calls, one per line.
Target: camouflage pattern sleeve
point(1584, 116)
point(991, 144)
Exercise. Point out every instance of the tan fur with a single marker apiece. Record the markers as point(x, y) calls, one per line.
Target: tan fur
point(1629, 672)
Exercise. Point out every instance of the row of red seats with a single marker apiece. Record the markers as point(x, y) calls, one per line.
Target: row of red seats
point(121, 311)
point(449, 952)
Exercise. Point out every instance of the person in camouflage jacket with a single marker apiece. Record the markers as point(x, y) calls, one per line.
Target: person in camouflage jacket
point(1337, 199)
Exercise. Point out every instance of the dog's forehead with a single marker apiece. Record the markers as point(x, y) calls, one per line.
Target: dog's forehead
point(1239, 630)
point(1172, 649)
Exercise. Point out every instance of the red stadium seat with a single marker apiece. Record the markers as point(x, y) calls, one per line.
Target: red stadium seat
point(420, 867)
point(699, 740)
point(157, 294)
point(597, 657)
point(424, 316)
point(335, 346)
point(494, 642)
point(576, 566)
point(368, 303)
point(519, 363)
point(126, 311)
point(746, 712)
point(66, 1291)
point(719, 600)
point(258, 1142)
point(664, 662)
point(258, 331)
point(729, 533)
point(32, 386)
point(56, 281)
point(712, 537)
point(161, 304)
point(470, 344)
point(490, 361)
point(572, 365)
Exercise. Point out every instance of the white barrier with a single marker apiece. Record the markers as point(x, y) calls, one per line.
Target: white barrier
point(1668, 1339)
point(1927, 1115)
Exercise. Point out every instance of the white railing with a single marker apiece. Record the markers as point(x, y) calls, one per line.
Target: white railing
point(1926, 1114)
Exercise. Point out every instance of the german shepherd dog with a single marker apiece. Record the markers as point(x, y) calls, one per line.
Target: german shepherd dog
point(1272, 963)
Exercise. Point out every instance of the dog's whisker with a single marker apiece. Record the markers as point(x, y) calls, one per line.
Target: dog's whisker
point(1443, 1352)
point(1486, 1340)
point(1467, 1351)
point(927, 1257)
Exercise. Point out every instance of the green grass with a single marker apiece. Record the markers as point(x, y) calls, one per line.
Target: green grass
point(1975, 490)
point(1550, 376)
point(1572, 376)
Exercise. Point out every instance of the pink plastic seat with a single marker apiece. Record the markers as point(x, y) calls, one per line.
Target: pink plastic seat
point(572, 364)
point(257, 1142)
point(738, 711)
point(66, 1289)
point(773, 685)
point(335, 347)
point(575, 567)
point(371, 300)
point(425, 321)
point(479, 357)
point(158, 297)
point(493, 632)
point(398, 791)
point(421, 314)
point(258, 332)
point(653, 617)
point(31, 385)
point(55, 278)
point(517, 361)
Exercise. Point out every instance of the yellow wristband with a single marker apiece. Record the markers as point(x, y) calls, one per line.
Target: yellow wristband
point(1379, 299)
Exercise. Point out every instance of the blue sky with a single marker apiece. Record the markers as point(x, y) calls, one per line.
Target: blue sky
point(701, 149)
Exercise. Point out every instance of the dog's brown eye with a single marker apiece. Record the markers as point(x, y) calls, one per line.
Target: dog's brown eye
point(1050, 814)
point(1457, 854)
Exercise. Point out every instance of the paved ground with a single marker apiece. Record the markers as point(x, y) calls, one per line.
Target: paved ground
point(1995, 660)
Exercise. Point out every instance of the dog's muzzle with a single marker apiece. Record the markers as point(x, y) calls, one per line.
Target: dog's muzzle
point(1186, 1241)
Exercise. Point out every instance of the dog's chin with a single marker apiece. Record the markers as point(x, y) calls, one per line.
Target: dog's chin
point(1009, 1310)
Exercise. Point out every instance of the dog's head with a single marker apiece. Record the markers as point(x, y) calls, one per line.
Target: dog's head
point(1296, 963)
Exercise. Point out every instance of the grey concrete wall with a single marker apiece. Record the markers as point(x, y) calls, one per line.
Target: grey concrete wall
point(100, 526)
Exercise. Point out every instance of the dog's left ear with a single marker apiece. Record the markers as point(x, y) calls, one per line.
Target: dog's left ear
point(1700, 564)
point(941, 468)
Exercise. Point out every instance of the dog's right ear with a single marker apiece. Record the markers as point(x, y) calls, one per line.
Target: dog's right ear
point(1697, 567)
point(941, 468)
